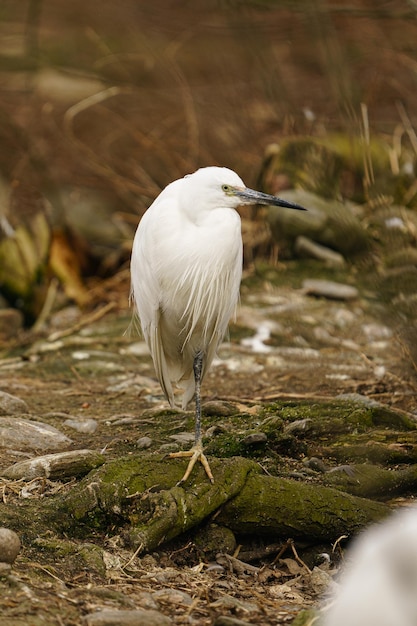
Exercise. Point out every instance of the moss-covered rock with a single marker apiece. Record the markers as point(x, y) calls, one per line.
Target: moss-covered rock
point(331, 223)
point(141, 497)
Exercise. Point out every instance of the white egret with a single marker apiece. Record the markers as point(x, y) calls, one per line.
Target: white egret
point(378, 585)
point(186, 269)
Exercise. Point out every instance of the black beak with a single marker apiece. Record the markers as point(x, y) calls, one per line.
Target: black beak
point(250, 196)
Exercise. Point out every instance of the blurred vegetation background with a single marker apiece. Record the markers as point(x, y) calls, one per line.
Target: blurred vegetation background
point(103, 103)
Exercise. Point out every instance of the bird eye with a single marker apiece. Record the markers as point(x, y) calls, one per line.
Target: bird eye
point(226, 188)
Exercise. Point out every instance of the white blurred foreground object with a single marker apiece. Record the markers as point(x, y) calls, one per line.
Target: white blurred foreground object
point(379, 584)
point(186, 269)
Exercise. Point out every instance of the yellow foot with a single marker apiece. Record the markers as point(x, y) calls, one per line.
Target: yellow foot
point(196, 454)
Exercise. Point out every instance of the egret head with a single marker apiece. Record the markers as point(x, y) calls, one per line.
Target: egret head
point(220, 187)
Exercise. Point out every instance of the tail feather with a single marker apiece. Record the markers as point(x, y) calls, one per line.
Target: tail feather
point(160, 364)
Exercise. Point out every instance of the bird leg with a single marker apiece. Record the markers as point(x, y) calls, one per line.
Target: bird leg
point(197, 367)
point(196, 452)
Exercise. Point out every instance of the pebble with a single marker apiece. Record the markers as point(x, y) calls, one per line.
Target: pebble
point(359, 398)
point(143, 443)
point(220, 408)
point(137, 349)
point(375, 332)
point(213, 539)
point(183, 437)
point(242, 364)
point(315, 464)
point(173, 596)
point(19, 433)
point(254, 439)
point(10, 405)
point(9, 545)
point(329, 289)
point(166, 448)
point(136, 617)
point(87, 426)
point(305, 247)
point(298, 427)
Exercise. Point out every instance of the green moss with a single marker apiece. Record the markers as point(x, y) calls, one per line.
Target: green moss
point(73, 555)
point(289, 508)
point(350, 413)
point(225, 445)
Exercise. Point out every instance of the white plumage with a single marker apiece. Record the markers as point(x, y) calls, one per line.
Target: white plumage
point(186, 269)
point(378, 586)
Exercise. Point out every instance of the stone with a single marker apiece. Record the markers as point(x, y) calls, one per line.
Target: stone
point(329, 289)
point(183, 438)
point(305, 247)
point(82, 425)
point(330, 223)
point(173, 596)
point(23, 434)
point(220, 408)
point(254, 439)
point(56, 466)
point(143, 443)
point(11, 405)
point(214, 539)
point(9, 545)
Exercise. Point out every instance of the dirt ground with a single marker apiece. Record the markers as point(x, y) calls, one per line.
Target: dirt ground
point(91, 369)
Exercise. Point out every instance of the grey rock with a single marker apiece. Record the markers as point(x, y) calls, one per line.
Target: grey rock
point(359, 398)
point(23, 434)
point(11, 405)
point(166, 448)
point(254, 439)
point(305, 247)
point(329, 289)
point(328, 222)
point(214, 539)
point(298, 426)
point(143, 443)
point(87, 425)
point(172, 596)
point(56, 466)
point(220, 408)
point(9, 545)
point(185, 438)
